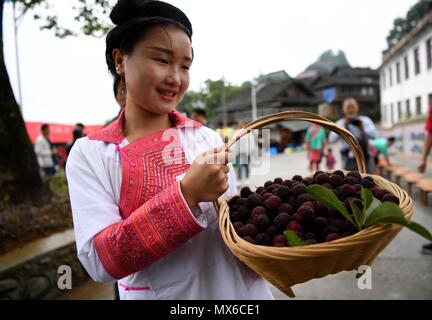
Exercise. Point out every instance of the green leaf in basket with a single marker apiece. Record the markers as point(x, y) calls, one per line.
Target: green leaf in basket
point(329, 199)
point(358, 215)
point(293, 239)
point(370, 203)
point(389, 212)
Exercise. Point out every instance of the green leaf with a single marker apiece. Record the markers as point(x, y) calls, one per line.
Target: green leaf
point(367, 198)
point(329, 199)
point(293, 239)
point(389, 212)
point(358, 215)
point(370, 203)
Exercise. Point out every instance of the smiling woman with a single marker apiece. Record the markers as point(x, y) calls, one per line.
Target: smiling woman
point(142, 188)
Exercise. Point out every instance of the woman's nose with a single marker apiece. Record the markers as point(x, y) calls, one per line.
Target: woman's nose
point(174, 77)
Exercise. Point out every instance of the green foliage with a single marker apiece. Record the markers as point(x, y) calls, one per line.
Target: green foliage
point(374, 211)
point(401, 26)
point(91, 15)
point(293, 239)
point(212, 95)
point(328, 198)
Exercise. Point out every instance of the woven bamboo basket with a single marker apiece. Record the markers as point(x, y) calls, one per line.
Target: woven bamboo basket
point(287, 266)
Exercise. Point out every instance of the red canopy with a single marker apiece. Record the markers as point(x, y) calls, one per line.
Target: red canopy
point(59, 133)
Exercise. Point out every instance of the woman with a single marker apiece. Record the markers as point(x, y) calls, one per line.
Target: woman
point(142, 188)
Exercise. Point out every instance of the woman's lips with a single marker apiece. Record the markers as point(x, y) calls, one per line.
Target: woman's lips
point(167, 95)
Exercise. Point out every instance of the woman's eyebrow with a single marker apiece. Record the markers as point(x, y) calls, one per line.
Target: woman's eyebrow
point(167, 51)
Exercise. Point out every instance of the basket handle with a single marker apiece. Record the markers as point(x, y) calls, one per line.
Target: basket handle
point(304, 116)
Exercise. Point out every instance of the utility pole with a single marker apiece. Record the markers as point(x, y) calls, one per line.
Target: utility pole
point(225, 115)
point(15, 20)
point(253, 99)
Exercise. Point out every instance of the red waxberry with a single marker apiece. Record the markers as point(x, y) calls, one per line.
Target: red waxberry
point(281, 220)
point(278, 180)
point(280, 241)
point(254, 200)
point(305, 214)
point(332, 237)
point(295, 226)
point(273, 203)
point(322, 178)
point(391, 198)
point(299, 188)
point(245, 192)
point(286, 207)
point(257, 211)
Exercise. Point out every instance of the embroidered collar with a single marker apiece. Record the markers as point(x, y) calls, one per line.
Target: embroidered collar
point(113, 133)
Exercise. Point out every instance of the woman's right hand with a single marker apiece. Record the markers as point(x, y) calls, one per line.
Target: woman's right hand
point(206, 179)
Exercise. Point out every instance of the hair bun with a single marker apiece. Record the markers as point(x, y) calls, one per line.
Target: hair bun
point(124, 10)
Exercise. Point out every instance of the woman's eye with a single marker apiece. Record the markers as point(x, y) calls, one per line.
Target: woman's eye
point(186, 67)
point(163, 61)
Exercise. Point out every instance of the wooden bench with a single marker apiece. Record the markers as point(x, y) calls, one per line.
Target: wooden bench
point(400, 173)
point(425, 186)
point(410, 179)
point(389, 170)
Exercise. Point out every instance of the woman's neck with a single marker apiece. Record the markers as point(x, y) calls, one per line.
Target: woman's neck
point(139, 123)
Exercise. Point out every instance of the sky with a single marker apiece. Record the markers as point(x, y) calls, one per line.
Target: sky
point(66, 80)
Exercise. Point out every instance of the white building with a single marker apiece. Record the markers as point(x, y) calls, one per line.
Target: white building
point(406, 76)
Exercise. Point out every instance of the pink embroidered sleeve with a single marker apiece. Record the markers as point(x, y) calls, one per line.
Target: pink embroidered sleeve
point(155, 229)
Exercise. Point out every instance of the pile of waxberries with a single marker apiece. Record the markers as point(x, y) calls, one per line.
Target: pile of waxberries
point(262, 216)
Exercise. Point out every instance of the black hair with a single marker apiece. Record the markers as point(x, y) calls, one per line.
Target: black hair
point(115, 87)
point(79, 124)
point(391, 139)
point(132, 19)
point(329, 150)
point(44, 127)
point(200, 112)
point(76, 133)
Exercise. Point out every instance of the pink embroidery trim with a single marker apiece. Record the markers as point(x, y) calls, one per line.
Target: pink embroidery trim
point(113, 133)
point(124, 155)
point(133, 289)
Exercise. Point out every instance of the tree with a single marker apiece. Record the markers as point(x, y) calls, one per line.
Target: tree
point(211, 95)
point(401, 26)
point(20, 180)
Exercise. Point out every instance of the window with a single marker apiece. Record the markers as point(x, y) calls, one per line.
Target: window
point(406, 67)
point(391, 114)
point(397, 72)
point(429, 53)
point(390, 76)
point(384, 79)
point(399, 110)
point(408, 109)
point(418, 106)
point(416, 61)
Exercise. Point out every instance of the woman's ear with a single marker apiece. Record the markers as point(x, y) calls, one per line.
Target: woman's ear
point(118, 60)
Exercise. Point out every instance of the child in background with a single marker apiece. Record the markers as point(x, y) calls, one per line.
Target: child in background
point(330, 159)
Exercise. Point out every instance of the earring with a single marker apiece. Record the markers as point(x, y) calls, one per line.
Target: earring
point(122, 87)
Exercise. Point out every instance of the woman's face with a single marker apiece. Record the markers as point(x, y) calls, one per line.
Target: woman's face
point(157, 70)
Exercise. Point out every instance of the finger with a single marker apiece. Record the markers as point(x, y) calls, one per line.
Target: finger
point(224, 157)
point(225, 168)
point(210, 151)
